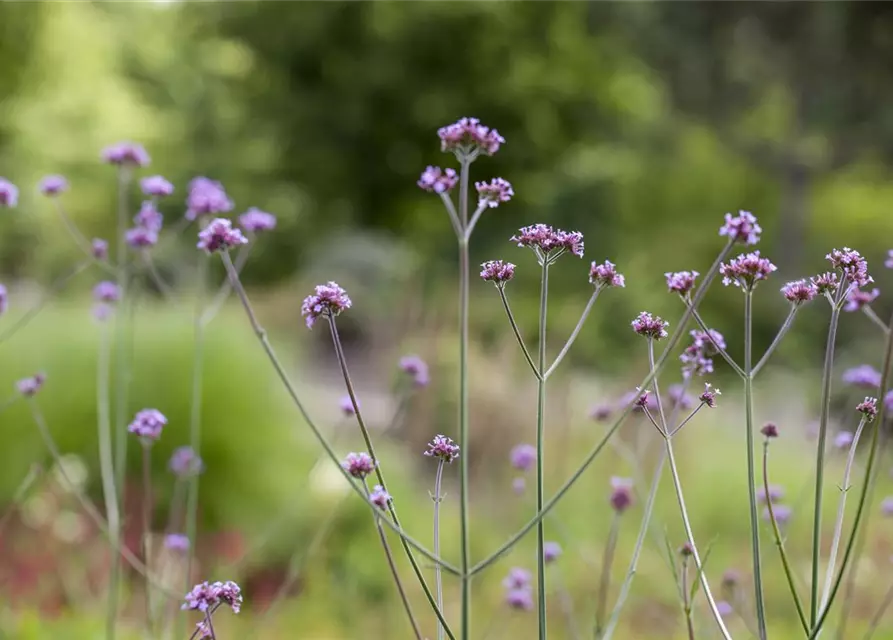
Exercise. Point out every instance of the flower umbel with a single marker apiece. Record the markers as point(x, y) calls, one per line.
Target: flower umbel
point(770, 430)
point(523, 457)
point(682, 282)
point(52, 185)
point(650, 326)
point(149, 217)
point(126, 153)
point(437, 180)
point(868, 408)
point(826, 283)
point(416, 368)
point(492, 193)
point(106, 291)
point(799, 291)
point(742, 228)
point(444, 448)
point(204, 596)
point(220, 236)
point(856, 299)
point(746, 270)
point(621, 494)
point(709, 395)
point(605, 275)
point(327, 301)
point(185, 462)
point(497, 272)
point(148, 424)
point(467, 136)
point(156, 186)
point(864, 376)
point(99, 248)
point(206, 197)
point(255, 220)
point(549, 243)
point(9, 193)
point(851, 264)
point(30, 386)
point(359, 465)
point(379, 497)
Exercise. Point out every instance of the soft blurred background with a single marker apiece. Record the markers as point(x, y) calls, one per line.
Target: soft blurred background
point(639, 124)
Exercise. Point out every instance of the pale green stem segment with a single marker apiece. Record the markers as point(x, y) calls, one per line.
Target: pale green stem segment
point(575, 333)
point(605, 580)
point(516, 330)
point(438, 577)
point(540, 442)
point(464, 515)
point(775, 342)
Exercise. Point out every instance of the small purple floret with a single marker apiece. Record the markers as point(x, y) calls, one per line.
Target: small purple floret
point(9, 193)
point(799, 291)
point(709, 396)
point(28, 387)
point(649, 326)
point(220, 236)
point(147, 424)
point(141, 238)
point(852, 265)
point(742, 228)
point(864, 376)
point(746, 270)
point(545, 240)
point(206, 197)
point(346, 405)
point(156, 186)
point(176, 542)
point(4, 299)
point(52, 185)
point(437, 180)
point(856, 299)
point(204, 596)
point(126, 153)
point(416, 368)
point(519, 599)
point(621, 494)
point(106, 291)
point(682, 282)
point(826, 283)
point(887, 506)
point(359, 465)
point(843, 440)
point(99, 248)
point(149, 217)
point(255, 220)
point(444, 448)
point(605, 275)
point(185, 462)
point(497, 272)
point(551, 551)
point(468, 135)
point(492, 193)
point(523, 457)
point(868, 408)
point(379, 497)
point(328, 300)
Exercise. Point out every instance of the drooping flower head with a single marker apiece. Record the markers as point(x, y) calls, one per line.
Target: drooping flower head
point(682, 282)
point(204, 596)
point(826, 283)
point(99, 248)
point(255, 220)
point(379, 497)
point(621, 494)
point(548, 243)
point(206, 197)
point(156, 186)
point(852, 266)
point(864, 376)
point(416, 368)
point(106, 291)
point(359, 465)
point(30, 386)
point(9, 193)
point(443, 448)
point(147, 424)
point(868, 408)
point(856, 299)
point(185, 462)
point(141, 238)
point(746, 270)
point(497, 272)
point(126, 153)
point(799, 291)
point(742, 228)
point(492, 193)
point(437, 180)
point(523, 457)
point(52, 185)
point(328, 300)
point(220, 236)
point(605, 275)
point(468, 136)
point(653, 327)
point(149, 217)
point(176, 542)
point(709, 395)
point(551, 551)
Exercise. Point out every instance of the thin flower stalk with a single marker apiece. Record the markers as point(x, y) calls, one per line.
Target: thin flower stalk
point(147, 522)
point(678, 428)
point(225, 289)
point(517, 332)
point(438, 577)
point(78, 238)
point(605, 581)
point(454, 217)
point(788, 322)
point(868, 311)
point(474, 220)
point(879, 614)
point(166, 291)
point(567, 604)
point(464, 516)
point(540, 427)
point(725, 354)
point(24, 486)
point(686, 602)
point(574, 334)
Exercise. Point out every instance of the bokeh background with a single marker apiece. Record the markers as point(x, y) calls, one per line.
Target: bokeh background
point(639, 124)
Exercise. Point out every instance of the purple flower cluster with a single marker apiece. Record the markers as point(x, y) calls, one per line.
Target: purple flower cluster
point(204, 596)
point(826, 283)
point(346, 405)
point(864, 376)
point(9, 193)
point(444, 448)
point(682, 282)
point(492, 193)
point(742, 228)
point(99, 248)
point(856, 298)
point(126, 153)
point(52, 185)
point(30, 386)
point(4, 299)
point(523, 457)
point(106, 291)
point(141, 237)
point(770, 430)
point(468, 135)
point(621, 494)
point(147, 424)
point(551, 551)
point(677, 396)
point(359, 465)
point(327, 301)
point(851, 264)
point(497, 272)
point(437, 180)
point(644, 400)
point(843, 440)
point(799, 291)
point(156, 186)
point(889, 261)
point(545, 240)
point(708, 397)
point(416, 368)
point(653, 327)
point(519, 589)
point(697, 358)
point(185, 462)
point(782, 514)
point(639, 399)
point(868, 408)
point(206, 197)
point(149, 217)
point(746, 270)
point(776, 493)
point(379, 497)
point(176, 542)
point(220, 235)
point(255, 220)
point(605, 275)
point(887, 506)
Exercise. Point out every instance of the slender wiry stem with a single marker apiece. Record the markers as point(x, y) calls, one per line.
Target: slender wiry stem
point(33, 473)
point(576, 332)
point(751, 465)
point(393, 567)
point(210, 624)
point(454, 217)
point(567, 603)
point(841, 510)
point(779, 541)
point(474, 220)
point(868, 311)
point(226, 288)
point(605, 581)
point(725, 355)
point(517, 331)
point(540, 437)
point(686, 603)
point(155, 276)
point(79, 239)
point(878, 616)
point(147, 522)
point(685, 422)
point(42, 301)
point(464, 515)
point(777, 340)
point(672, 341)
point(820, 458)
point(438, 578)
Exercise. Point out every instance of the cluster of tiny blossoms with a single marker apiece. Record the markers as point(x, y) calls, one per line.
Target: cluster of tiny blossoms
point(681, 282)
point(443, 448)
point(697, 358)
point(206, 597)
point(358, 465)
point(549, 243)
point(497, 272)
point(605, 275)
point(220, 235)
point(650, 326)
point(327, 301)
point(852, 265)
point(467, 136)
point(746, 270)
point(148, 424)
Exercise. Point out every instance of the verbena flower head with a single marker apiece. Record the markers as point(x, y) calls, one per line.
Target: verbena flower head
point(147, 424)
point(843, 440)
point(682, 282)
point(678, 396)
point(204, 596)
point(709, 395)
point(644, 398)
point(868, 408)
point(185, 462)
point(799, 291)
point(523, 457)
point(889, 261)
point(52, 185)
point(126, 153)
point(467, 136)
point(328, 300)
point(770, 430)
point(864, 376)
point(519, 599)
point(102, 311)
point(742, 228)
point(887, 506)
point(782, 514)
point(106, 291)
point(345, 403)
point(686, 550)
point(746, 270)
point(494, 192)
point(724, 608)
point(156, 186)
point(640, 400)
point(9, 193)
point(176, 542)
point(141, 238)
point(605, 275)
point(220, 236)
point(255, 220)
point(517, 578)
point(697, 358)
point(549, 243)
point(621, 494)
point(519, 484)
point(444, 448)
point(149, 217)
point(856, 299)
point(497, 272)
point(851, 264)
point(4, 299)
point(776, 493)
point(437, 180)
point(416, 368)
point(551, 551)
point(99, 248)
point(31, 385)
point(650, 326)
point(206, 197)
point(379, 497)
point(601, 412)
point(359, 465)
point(826, 283)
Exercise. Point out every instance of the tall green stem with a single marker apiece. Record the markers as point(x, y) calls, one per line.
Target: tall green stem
point(605, 581)
point(540, 423)
point(438, 577)
point(751, 465)
point(464, 516)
